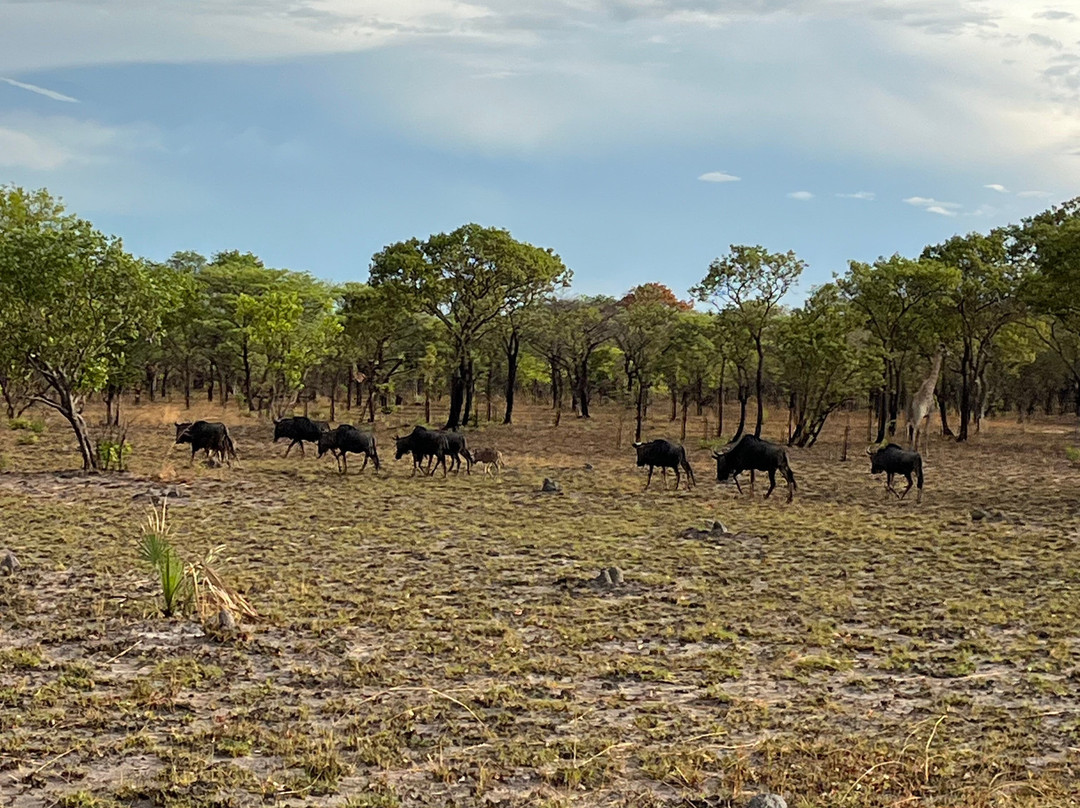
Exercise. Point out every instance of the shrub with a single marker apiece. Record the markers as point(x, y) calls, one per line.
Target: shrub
point(154, 549)
point(1072, 454)
point(37, 427)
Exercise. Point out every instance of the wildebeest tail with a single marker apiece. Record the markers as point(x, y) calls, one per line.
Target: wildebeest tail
point(374, 452)
point(789, 475)
point(918, 472)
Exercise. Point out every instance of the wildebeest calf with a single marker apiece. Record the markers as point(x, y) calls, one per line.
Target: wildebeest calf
point(666, 455)
point(893, 459)
point(347, 438)
point(489, 457)
point(208, 436)
point(421, 443)
point(298, 430)
point(754, 454)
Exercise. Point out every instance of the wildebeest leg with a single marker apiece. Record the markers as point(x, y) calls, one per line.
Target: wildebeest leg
point(649, 479)
point(676, 478)
point(365, 463)
point(302, 452)
point(889, 485)
point(909, 484)
point(752, 473)
point(289, 448)
point(735, 478)
point(772, 482)
point(345, 462)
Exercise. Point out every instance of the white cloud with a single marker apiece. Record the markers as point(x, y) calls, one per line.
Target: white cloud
point(719, 176)
point(55, 96)
point(940, 211)
point(1001, 189)
point(802, 196)
point(1034, 194)
point(48, 143)
point(868, 196)
point(932, 205)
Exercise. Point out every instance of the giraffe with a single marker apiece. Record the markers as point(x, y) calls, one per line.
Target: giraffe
point(922, 403)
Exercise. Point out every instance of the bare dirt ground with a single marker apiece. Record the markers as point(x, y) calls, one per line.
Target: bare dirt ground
point(430, 641)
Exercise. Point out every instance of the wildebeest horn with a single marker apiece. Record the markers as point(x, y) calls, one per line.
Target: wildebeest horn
point(870, 450)
point(637, 444)
point(717, 455)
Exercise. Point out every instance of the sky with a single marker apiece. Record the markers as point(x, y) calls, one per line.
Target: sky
point(637, 138)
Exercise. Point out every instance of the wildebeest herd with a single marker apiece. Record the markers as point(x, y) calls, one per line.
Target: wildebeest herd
point(748, 453)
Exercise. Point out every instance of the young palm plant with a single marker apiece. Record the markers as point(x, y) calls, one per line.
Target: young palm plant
point(155, 549)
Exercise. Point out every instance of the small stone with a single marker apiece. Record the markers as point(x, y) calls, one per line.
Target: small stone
point(9, 565)
point(767, 801)
point(719, 529)
point(588, 467)
point(225, 621)
point(604, 578)
point(615, 575)
point(550, 486)
point(978, 515)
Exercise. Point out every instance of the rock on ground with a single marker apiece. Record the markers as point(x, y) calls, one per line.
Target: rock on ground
point(767, 801)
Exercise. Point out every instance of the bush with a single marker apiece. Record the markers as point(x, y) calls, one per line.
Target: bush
point(1072, 454)
point(27, 440)
point(37, 427)
point(154, 549)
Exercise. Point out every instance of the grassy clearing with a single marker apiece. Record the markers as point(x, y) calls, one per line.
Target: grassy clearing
point(431, 641)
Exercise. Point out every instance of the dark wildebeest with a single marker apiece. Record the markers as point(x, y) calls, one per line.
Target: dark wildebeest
point(754, 454)
point(347, 438)
point(423, 443)
point(456, 447)
point(209, 436)
point(893, 459)
point(666, 455)
point(298, 430)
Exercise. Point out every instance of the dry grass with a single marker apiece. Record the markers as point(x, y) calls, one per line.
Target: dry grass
point(434, 642)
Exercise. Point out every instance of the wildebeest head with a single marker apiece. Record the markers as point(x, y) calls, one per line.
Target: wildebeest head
point(877, 458)
point(401, 446)
point(279, 429)
point(640, 453)
point(183, 434)
point(724, 467)
point(326, 442)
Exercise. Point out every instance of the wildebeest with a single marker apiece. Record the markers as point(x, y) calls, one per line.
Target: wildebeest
point(421, 443)
point(489, 457)
point(892, 460)
point(457, 447)
point(298, 429)
point(754, 454)
point(347, 438)
point(666, 455)
point(209, 436)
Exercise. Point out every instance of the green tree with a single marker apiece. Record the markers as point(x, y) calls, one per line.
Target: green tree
point(642, 329)
point(984, 300)
point(905, 304)
point(751, 282)
point(467, 279)
point(73, 301)
point(824, 360)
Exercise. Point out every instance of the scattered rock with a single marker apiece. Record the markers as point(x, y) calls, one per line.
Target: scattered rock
point(603, 579)
point(588, 467)
point(719, 529)
point(616, 576)
point(226, 623)
point(550, 486)
point(767, 801)
point(9, 565)
point(978, 515)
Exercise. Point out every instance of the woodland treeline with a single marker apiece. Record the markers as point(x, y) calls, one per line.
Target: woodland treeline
point(479, 317)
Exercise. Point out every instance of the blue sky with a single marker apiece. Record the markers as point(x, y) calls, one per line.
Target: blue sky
point(638, 138)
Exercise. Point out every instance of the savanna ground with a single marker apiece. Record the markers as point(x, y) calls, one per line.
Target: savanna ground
point(430, 641)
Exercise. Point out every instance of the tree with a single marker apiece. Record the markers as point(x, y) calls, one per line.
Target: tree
point(467, 279)
point(824, 360)
point(902, 301)
point(751, 281)
point(73, 301)
point(380, 333)
point(642, 329)
point(984, 300)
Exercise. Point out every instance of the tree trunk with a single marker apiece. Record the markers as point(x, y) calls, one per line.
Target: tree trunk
point(640, 411)
point(470, 393)
point(943, 408)
point(458, 382)
point(165, 385)
point(883, 415)
point(758, 384)
point(151, 381)
point(513, 348)
point(720, 400)
point(247, 377)
point(187, 386)
point(744, 399)
point(674, 403)
point(965, 392)
point(685, 411)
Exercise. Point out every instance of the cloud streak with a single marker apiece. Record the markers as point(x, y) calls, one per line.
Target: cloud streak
point(55, 96)
point(931, 205)
point(719, 176)
point(801, 196)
